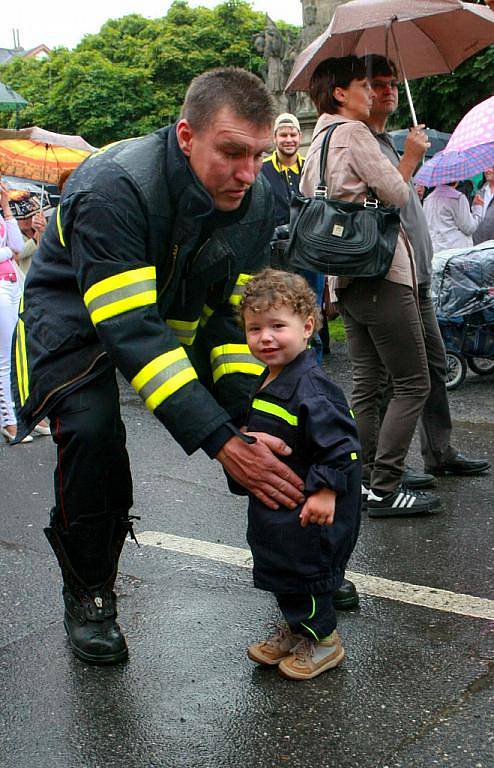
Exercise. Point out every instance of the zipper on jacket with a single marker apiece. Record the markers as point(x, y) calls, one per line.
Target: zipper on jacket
point(171, 272)
point(68, 383)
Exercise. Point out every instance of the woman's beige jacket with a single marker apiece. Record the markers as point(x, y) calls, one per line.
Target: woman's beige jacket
point(355, 163)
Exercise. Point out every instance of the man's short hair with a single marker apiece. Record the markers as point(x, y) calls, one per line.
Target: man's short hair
point(233, 87)
point(334, 73)
point(378, 65)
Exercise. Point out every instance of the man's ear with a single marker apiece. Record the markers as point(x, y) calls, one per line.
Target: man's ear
point(184, 136)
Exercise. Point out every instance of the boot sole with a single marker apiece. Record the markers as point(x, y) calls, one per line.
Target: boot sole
point(331, 664)
point(264, 661)
point(102, 660)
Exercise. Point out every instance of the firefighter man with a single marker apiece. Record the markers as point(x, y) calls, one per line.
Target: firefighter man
point(140, 270)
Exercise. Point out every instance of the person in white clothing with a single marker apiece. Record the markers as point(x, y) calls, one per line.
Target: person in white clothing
point(450, 221)
point(11, 242)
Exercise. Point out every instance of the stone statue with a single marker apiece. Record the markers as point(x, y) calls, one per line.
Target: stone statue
point(271, 44)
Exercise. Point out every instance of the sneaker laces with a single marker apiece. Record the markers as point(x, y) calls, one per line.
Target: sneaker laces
point(280, 634)
point(304, 650)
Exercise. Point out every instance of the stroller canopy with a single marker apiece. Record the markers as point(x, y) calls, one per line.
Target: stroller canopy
point(463, 280)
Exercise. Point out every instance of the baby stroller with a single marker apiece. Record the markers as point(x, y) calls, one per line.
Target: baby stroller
point(463, 294)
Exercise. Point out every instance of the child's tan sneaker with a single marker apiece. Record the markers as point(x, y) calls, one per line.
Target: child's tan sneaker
point(277, 647)
point(309, 659)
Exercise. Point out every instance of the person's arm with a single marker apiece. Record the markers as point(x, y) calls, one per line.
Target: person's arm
point(416, 144)
point(13, 239)
point(332, 440)
point(118, 285)
point(369, 164)
point(465, 220)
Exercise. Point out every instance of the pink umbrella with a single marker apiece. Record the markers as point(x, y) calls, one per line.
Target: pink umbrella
point(477, 127)
point(469, 150)
point(424, 37)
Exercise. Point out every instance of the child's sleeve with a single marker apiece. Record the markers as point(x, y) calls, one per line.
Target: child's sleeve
point(331, 438)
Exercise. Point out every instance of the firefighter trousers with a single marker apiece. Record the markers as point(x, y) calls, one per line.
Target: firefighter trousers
point(93, 484)
point(310, 615)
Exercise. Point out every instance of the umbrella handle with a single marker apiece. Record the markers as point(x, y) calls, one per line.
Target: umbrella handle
point(402, 69)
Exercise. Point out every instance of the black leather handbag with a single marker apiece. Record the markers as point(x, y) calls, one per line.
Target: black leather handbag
point(336, 237)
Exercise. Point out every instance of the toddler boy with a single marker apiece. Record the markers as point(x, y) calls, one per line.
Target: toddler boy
point(300, 555)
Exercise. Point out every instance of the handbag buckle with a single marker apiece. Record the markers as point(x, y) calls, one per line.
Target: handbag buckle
point(321, 192)
point(371, 203)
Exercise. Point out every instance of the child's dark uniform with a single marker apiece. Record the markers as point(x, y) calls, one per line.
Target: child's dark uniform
point(304, 566)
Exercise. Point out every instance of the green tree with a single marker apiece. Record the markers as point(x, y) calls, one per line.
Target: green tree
point(442, 100)
point(131, 77)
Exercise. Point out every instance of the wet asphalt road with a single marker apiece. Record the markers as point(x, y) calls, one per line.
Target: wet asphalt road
point(416, 690)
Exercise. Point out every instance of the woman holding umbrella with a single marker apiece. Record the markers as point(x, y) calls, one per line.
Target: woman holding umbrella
point(381, 318)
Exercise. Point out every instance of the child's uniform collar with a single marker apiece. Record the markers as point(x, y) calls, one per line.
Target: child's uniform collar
point(286, 382)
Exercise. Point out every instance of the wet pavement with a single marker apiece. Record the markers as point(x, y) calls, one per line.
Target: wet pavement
point(416, 689)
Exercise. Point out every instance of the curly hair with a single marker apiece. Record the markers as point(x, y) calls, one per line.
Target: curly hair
point(272, 289)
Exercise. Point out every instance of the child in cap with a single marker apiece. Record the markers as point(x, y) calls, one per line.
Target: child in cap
point(300, 555)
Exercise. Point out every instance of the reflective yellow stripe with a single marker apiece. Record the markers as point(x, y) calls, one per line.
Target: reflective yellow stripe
point(121, 293)
point(354, 456)
point(275, 410)
point(310, 630)
point(21, 363)
point(205, 314)
point(185, 330)
point(313, 612)
point(234, 358)
point(237, 292)
point(163, 376)
point(352, 413)
point(59, 226)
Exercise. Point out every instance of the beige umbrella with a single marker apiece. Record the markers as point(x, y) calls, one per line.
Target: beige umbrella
point(423, 37)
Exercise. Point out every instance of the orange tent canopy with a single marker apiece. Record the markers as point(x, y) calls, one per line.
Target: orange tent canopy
point(33, 153)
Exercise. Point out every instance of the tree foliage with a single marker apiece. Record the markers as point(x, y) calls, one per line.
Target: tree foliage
point(441, 101)
point(131, 77)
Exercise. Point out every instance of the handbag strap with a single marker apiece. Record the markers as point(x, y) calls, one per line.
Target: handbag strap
point(322, 189)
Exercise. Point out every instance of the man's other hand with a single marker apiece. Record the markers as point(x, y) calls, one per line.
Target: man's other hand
point(256, 467)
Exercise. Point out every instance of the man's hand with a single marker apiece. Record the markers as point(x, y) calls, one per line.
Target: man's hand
point(416, 144)
point(319, 508)
point(256, 467)
point(478, 200)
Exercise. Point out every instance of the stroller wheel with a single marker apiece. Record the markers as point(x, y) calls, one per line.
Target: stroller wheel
point(457, 369)
point(481, 365)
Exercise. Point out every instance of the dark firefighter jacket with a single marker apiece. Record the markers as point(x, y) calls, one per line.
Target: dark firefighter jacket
point(284, 181)
point(125, 273)
point(310, 413)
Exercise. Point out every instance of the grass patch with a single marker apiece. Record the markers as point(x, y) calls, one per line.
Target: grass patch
point(337, 329)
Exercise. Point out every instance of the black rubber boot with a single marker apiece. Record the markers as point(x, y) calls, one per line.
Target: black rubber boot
point(90, 623)
point(346, 596)
point(91, 612)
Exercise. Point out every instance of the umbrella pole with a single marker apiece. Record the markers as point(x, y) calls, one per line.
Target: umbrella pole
point(405, 81)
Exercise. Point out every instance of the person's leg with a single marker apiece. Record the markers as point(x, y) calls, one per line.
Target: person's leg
point(435, 427)
point(313, 618)
point(435, 420)
point(93, 495)
point(359, 310)
point(394, 331)
point(308, 615)
point(9, 308)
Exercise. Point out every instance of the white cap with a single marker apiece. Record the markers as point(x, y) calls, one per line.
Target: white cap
point(286, 119)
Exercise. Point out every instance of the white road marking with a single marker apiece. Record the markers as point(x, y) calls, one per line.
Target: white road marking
point(414, 594)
